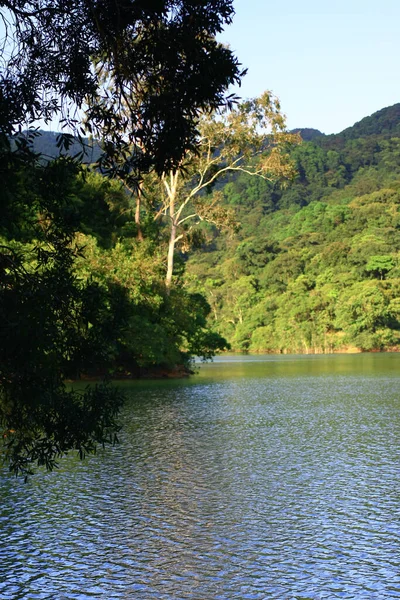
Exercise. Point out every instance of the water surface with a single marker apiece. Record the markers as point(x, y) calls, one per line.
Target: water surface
point(263, 477)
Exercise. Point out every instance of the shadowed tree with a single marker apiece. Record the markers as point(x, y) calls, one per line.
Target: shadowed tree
point(166, 68)
point(160, 56)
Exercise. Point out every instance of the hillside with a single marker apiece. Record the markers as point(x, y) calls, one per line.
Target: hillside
point(315, 267)
point(307, 133)
point(383, 122)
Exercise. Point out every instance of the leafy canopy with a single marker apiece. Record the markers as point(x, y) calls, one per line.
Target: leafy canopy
point(161, 57)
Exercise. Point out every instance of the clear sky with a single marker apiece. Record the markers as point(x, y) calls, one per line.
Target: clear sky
point(331, 62)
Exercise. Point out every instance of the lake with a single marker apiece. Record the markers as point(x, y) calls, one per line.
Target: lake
point(259, 477)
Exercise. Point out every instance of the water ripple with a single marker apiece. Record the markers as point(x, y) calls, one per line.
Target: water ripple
point(248, 488)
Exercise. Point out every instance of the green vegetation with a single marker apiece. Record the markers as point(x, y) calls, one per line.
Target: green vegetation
point(95, 277)
point(315, 266)
point(157, 68)
point(250, 139)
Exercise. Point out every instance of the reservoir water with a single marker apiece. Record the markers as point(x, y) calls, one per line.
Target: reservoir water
point(259, 477)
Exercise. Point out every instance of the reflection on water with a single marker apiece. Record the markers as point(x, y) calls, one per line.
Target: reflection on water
point(258, 478)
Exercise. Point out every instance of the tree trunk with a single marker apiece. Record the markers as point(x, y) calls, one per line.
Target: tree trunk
point(170, 261)
point(171, 191)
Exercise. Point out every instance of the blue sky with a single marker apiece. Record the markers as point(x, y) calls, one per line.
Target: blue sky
point(331, 63)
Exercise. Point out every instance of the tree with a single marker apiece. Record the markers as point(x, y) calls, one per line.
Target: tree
point(52, 327)
point(380, 265)
point(167, 68)
point(251, 138)
point(161, 56)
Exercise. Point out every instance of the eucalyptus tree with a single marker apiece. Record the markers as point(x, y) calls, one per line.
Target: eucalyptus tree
point(250, 138)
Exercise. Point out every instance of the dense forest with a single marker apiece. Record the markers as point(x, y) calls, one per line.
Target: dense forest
point(314, 265)
point(306, 265)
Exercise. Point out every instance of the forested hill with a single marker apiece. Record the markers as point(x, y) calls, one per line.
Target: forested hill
point(307, 133)
point(315, 266)
point(383, 122)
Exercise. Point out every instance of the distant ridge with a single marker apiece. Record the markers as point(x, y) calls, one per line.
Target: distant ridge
point(307, 133)
point(384, 122)
point(45, 144)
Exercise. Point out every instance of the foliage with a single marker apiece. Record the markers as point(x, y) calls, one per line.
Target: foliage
point(160, 329)
point(162, 58)
point(167, 68)
point(315, 267)
point(48, 329)
point(251, 139)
